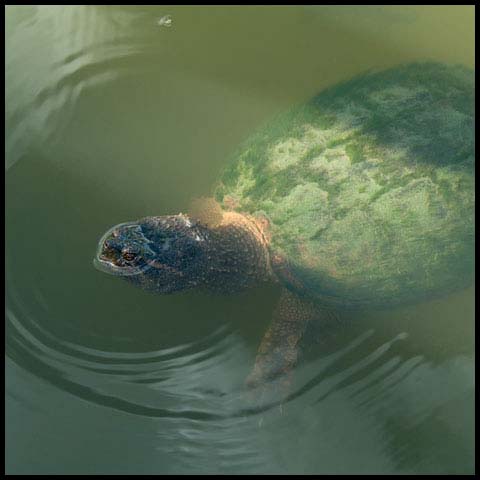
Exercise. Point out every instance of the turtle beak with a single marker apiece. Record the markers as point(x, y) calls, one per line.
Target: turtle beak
point(107, 266)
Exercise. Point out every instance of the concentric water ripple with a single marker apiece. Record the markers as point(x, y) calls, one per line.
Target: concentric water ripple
point(119, 379)
point(97, 52)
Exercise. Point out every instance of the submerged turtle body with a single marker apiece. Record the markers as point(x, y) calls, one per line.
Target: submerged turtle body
point(362, 197)
point(368, 188)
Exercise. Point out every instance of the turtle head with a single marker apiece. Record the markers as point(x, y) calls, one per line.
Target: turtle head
point(160, 254)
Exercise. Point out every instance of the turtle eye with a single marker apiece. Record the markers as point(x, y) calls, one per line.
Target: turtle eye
point(107, 245)
point(128, 256)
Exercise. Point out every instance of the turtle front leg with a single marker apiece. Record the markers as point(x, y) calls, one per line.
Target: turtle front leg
point(278, 350)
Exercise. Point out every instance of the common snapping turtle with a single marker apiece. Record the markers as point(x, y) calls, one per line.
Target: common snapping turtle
point(362, 197)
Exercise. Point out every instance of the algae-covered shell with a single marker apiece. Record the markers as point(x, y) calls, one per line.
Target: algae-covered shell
point(368, 187)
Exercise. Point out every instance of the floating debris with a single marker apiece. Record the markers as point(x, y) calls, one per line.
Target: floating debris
point(165, 21)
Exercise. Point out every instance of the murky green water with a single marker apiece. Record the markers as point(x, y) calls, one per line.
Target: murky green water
point(112, 116)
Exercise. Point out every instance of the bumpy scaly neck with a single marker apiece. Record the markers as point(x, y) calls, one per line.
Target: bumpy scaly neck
point(237, 254)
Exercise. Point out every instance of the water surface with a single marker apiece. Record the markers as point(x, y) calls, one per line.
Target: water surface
point(113, 114)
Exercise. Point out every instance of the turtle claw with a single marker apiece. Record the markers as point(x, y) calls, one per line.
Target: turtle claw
point(269, 394)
